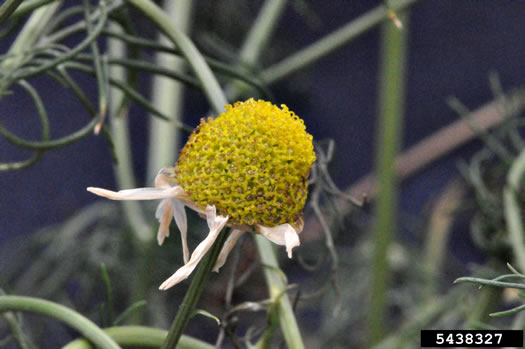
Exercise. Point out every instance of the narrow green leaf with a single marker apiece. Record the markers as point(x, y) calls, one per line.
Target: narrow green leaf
point(206, 314)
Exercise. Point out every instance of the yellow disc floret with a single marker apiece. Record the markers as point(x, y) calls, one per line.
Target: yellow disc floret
point(252, 162)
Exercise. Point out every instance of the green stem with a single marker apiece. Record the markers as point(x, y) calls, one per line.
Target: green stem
point(437, 235)
point(194, 292)
point(276, 287)
point(261, 31)
point(16, 331)
point(513, 211)
point(61, 313)
point(153, 68)
point(131, 93)
point(46, 145)
point(331, 42)
point(118, 118)
point(91, 37)
point(391, 105)
point(27, 6)
point(44, 121)
point(100, 64)
point(167, 95)
point(257, 39)
point(140, 336)
point(26, 40)
point(16, 328)
point(200, 68)
point(7, 9)
point(141, 229)
point(217, 66)
point(426, 315)
point(486, 302)
point(492, 283)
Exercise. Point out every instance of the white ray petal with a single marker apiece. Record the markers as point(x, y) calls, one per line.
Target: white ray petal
point(274, 234)
point(226, 249)
point(216, 223)
point(165, 178)
point(291, 239)
point(164, 213)
point(211, 215)
point(179, 212)
point(139, 193)
point(283, 234)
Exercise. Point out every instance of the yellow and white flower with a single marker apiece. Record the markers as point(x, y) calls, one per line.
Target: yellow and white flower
point(246, 169)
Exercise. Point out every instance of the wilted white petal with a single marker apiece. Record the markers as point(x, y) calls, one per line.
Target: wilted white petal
point(283, 234)
point(216, 223)
point(165, 178)
point(291, 239)
point(164, 213)
point(179, 212)
point(213, 220)
point(274, 234)
point(139, 193)
point(211, 215)
point(226, 249)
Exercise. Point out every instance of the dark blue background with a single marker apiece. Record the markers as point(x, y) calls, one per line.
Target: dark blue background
point(453, 45)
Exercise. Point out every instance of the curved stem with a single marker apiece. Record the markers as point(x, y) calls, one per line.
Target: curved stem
point(30, 72)
point(45, 129)
point(140, 336)
point(216, 65)
point(7, 9)
point(211, 87)
point(131, 93)
point(18, 165)
point(27, 6)
point(61, 313)
point(194, 292)
point(25, 40)
point(46, 145)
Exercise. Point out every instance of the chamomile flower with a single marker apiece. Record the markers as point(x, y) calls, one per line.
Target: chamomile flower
point(246, 169)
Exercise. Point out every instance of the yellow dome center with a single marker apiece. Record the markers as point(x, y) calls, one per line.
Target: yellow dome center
point(252, 162)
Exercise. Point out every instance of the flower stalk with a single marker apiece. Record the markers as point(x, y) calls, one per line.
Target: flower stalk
point(194, 292)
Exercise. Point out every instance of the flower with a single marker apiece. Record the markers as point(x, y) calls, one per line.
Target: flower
point(246, 169)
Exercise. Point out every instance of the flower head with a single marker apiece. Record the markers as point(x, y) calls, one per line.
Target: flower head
point(251, 162)
point(247, 169)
